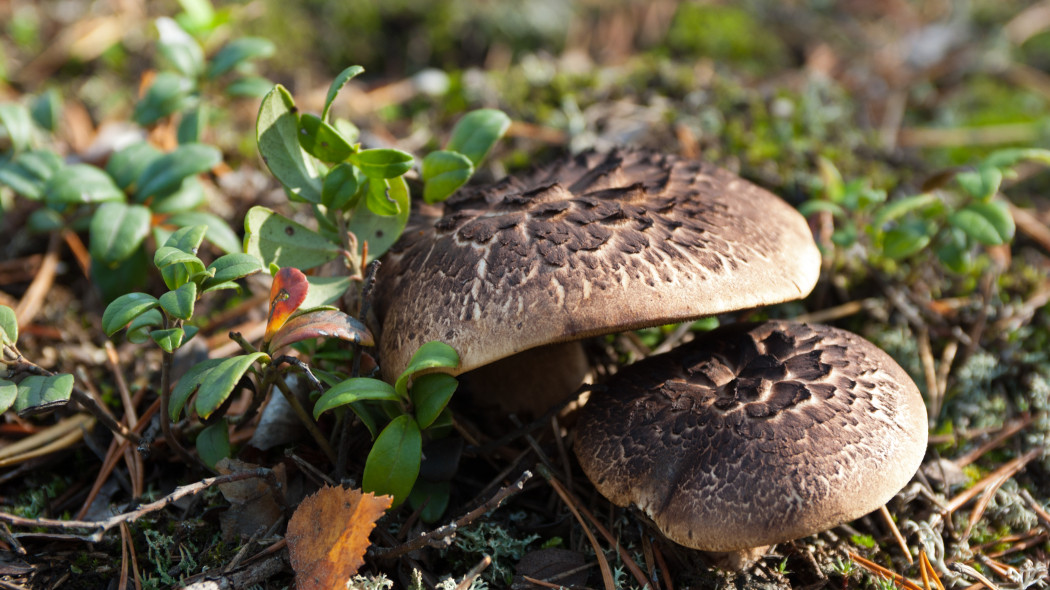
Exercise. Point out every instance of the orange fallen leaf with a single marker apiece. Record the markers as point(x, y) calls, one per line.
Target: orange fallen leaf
point(287, 293)
point(328, 535)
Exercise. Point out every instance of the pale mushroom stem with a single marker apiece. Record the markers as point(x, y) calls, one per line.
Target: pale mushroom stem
point(739, 560)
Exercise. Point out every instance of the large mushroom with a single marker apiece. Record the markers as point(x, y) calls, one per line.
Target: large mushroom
point(593, 244)
point(755, 434)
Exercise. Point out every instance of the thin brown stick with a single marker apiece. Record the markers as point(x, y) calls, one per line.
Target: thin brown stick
point(474, 572)
point(102, 526)
point(440, 533)
point(1000, 437)
point(888, 518)
point(603, 563)
point(76, 246)
point(925, 565)
point(306, 419)
point(109, 463)
point(1008, 470)
point(878, 569)
point(665, 573)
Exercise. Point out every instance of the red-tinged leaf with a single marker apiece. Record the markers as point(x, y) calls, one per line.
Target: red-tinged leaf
point(323, 323)
point(328, 536)
point(287, 293)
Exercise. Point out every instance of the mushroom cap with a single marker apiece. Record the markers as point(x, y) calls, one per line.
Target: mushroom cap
point(755, 434)
point(589, 245)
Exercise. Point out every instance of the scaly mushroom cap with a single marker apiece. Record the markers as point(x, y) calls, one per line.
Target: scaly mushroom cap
point(594, 244)
point(755, 434)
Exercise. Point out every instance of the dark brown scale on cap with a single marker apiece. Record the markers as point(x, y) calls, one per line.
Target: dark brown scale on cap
point(594, 244)
point(755, 434)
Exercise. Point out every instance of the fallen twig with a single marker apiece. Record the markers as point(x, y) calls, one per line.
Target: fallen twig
point(105, 525)
point(440, 533)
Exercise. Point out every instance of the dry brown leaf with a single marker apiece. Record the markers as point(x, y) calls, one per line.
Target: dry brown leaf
point(328, 535)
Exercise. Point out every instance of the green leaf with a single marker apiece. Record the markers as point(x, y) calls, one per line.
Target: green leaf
point(218, 384)
point(124, 277)
point(430, 394)
point(354, 390)
point(228, 285)
point(117, 230)
point(393, 463)
point(443, 173)
point(46, 110)
point(127, 165)
point(18, 122)
point(430, 356)
point(38, 393)
point(381, 163)
point(8, 394)
point(325, 291)
point(989, 223)
point(187, 239)
point(476, 133)
point(179, 49)
point(187, 197)
point(169, 93)
point(139, 328)
point(219, 233)
point(176, 266)
point(179, 303)
point(239, 51)
point(817, 205)
point(903, 241)
point(192, 124)
point(188, 385)
point(125, 308)
point(213, 443)
point(232, 267)
point(380, 231)
point(249, 87)
point(322, 323)
point(340, 186)
point(337, 85)
point(1008, 157)
point(197, 15)
point(379, 200)
point(45, 220)
point(277, 133)
point(321, 140)
point(8, 326)
point(81, 183)
point(168, 340)
point(981, 184)
point(900, 207)
point(27, 174)
point(275, 239)
point(166, 173)
point(430, 498)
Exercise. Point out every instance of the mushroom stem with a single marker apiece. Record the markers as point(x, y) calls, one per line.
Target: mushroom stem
point(530, 382)
point(736, 561)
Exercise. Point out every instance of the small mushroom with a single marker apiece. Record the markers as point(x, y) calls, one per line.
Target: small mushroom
point(590, 245)
point(755, 434)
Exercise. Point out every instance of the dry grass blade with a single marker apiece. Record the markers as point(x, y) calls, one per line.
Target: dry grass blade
point(54, 438)
point(875, 568)
point(603, 563)
point(34, 296)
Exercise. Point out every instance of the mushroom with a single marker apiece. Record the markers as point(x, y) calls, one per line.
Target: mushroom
point(590, 245)
point(755, 434)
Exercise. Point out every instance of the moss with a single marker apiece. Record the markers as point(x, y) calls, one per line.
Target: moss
point(725, 34)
